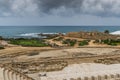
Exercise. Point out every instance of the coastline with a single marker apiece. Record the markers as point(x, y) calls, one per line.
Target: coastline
point(62, 52)
point(16, 31)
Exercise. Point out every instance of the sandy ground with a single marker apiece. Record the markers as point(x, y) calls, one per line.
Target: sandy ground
point(10, 53)
point(60, 42)
point(64, 53)
point(22, 49)
point(80, 60)
point(80, 71)
point(79, 65)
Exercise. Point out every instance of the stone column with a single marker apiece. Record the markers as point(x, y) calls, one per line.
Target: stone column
point(99, 77)
point(118, 76)
point(112, 77)
point(106, 77)
point(93, 78)
point(6, 74)
point(18, 76)
point(14, 76)
point(10, 75)
point(1, 73)
point(86, 78)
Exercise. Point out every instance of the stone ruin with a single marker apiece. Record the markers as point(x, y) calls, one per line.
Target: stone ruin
point(99, 77)
point(92, 35)
point(10, 74)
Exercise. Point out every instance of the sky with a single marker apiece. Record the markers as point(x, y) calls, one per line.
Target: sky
point(59, 12)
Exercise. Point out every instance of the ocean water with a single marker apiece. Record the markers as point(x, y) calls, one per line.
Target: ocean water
point(31, 31)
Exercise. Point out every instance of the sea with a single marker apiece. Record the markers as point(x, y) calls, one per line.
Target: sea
point(32, 31)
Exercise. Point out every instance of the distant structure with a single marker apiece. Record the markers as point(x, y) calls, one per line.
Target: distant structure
point(92, 35)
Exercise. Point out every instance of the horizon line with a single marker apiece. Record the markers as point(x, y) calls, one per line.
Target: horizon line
point(58, 25)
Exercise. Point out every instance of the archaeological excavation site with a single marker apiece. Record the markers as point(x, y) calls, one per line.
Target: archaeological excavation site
point(83, 63)
point(59, 39)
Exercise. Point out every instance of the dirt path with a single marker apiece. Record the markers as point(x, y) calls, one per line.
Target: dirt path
point(91, 43)
point(18, 49)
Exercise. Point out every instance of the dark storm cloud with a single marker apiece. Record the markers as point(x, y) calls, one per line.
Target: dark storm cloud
point(49, 5)
point(59, 7)
point(4, 7)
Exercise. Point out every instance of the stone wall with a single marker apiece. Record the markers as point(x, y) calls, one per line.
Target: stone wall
point(99, 77)
point(104, 77)
point(9, 74)
point(34, 67)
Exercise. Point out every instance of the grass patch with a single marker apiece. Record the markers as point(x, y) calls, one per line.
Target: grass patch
point(28, 42)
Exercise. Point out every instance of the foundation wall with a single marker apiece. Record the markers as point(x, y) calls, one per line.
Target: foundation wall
point(104, 77)
point(99, 77)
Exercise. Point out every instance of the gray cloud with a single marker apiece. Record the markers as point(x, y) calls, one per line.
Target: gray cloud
point(59, 7)
point(48, 5)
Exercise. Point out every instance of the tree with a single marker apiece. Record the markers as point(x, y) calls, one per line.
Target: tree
point(106, 31)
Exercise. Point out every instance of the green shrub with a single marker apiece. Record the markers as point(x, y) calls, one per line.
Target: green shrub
point(83, 43)
point(1, 47)
point(111, 42)
point(69, 42)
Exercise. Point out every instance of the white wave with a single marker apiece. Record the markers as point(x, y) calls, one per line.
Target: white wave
point(49, 33)
point(37, 34)
point(115, 33)
point(52, 33)
point(29, 35)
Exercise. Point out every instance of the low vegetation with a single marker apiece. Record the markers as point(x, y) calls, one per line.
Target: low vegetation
point(1, 47)
point(109, 42)
point(112, 42)
point(69, 42)
point(28, 42)
point(83, 43)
